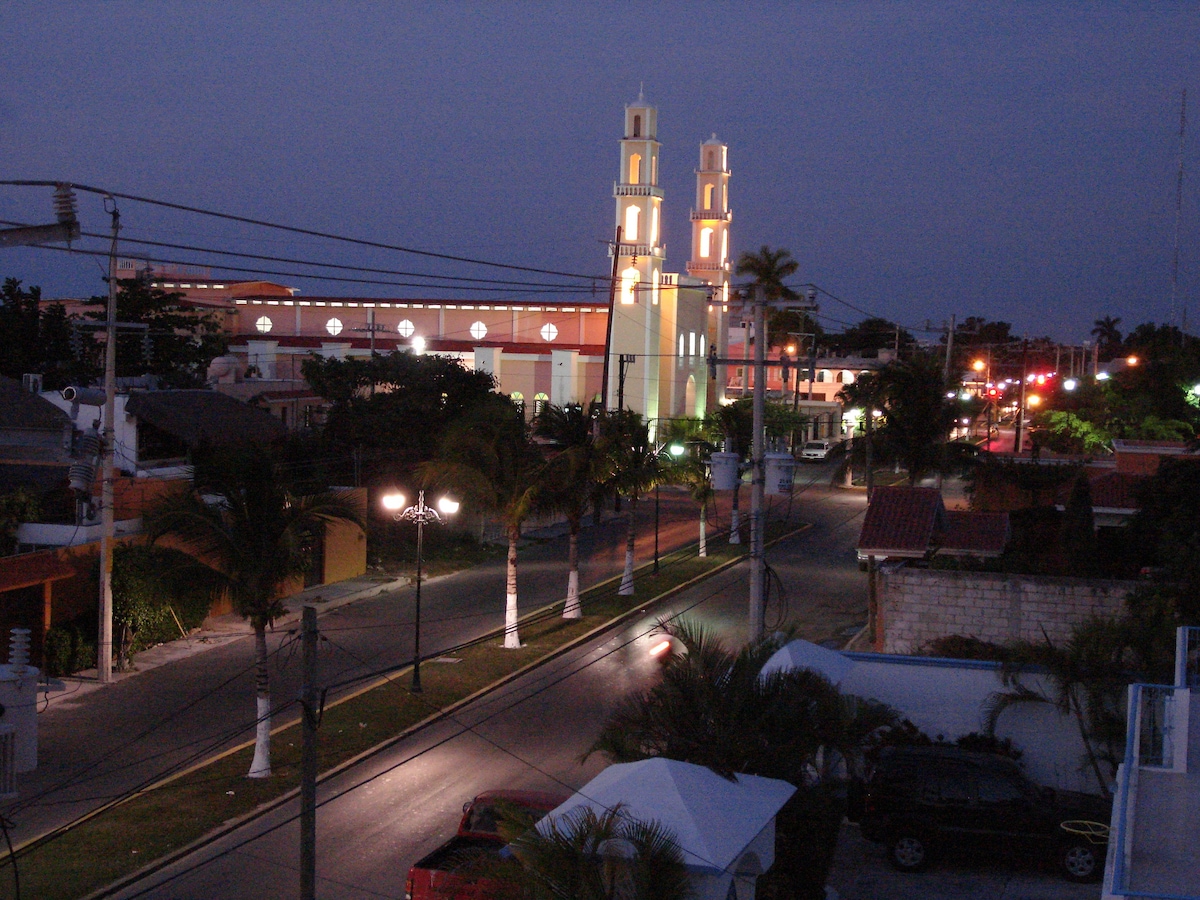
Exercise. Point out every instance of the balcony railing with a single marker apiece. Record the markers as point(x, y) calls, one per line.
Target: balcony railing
point(640, 250)
point(711, 215)
point(637, 190)
point(707, 266)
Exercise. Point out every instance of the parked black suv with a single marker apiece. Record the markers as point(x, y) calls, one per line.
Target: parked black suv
point(922, 800)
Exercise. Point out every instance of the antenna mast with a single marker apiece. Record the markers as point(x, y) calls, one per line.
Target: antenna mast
point(1176, 301)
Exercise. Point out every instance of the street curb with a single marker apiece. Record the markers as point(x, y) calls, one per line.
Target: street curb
point(446, 712)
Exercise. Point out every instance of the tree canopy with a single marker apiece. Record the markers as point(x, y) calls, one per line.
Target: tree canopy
point(402, 423)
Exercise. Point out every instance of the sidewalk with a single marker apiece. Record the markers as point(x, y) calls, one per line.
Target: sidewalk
point(217, 631)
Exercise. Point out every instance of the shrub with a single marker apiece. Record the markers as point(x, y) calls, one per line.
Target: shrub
point(70, 647)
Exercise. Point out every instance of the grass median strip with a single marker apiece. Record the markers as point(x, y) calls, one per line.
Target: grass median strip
point(124, 837)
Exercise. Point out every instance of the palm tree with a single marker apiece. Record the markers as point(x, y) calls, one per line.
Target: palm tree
point(584, 855)
point(570, 480)
point(249, 535)
point(488, 456)
point(733, 422)
point(632, 467)
point(1108, 336)
point(917, 416)
point(690, 468)
point(714, 708)
point(866, 392)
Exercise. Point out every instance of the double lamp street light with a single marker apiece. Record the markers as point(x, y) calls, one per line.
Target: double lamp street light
point(419, 513)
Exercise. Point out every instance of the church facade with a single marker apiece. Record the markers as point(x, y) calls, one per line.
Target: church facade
point(662, 323)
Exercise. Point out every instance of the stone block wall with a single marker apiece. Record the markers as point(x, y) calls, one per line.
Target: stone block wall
point(918, 605)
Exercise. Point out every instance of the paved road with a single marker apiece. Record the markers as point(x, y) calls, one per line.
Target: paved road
point(97, 744)
point(378, 818)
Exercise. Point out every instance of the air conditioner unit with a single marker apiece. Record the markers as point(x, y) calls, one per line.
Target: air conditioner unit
point(32, 382)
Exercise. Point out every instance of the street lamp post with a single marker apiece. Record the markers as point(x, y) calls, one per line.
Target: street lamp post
point(676, 450)
point(419, 513)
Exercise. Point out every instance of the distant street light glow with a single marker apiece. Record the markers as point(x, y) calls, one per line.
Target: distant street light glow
point(1070, 384)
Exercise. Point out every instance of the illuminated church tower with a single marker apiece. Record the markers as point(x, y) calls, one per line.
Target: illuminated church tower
point(636, 313)
point(710, 243)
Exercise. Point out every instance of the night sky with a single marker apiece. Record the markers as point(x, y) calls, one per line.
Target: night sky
point(1012, 161)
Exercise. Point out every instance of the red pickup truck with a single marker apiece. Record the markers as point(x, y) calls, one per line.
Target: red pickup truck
point(433, 877)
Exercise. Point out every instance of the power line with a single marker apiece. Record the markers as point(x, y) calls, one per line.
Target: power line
point(309, 232)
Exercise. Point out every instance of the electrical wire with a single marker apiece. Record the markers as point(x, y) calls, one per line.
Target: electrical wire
point(464, 729)
point(292, 229)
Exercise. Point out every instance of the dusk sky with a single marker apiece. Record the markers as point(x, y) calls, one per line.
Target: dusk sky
point(1015, 161)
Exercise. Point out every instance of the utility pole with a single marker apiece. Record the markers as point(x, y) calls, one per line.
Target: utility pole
point(612, 311)
point(308, 755)
point(757, 474)
point(104, 644)
point(623, 362)
point(1021, 403)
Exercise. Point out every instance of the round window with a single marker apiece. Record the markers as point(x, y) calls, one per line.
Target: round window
point(264, 324)
point(334, 326)
point(549, 331)
point(406, 328)
point(478, 331)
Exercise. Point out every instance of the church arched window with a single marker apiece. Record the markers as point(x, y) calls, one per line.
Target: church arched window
point(637, 126)
point(654, 226)
point(708, 162)
point(632, 216)
point(629, 283)
point(539, 403)
point(705, 243)
point(635, 168)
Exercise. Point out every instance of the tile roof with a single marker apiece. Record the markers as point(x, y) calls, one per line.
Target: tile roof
point(28, 569)
point(1116, 490)
point(900, 521)
point(913, 522)
point(972, 533)
point(204, 417)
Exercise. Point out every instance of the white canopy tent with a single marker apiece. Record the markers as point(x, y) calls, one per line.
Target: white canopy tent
point(726, 829)
point(799, 654)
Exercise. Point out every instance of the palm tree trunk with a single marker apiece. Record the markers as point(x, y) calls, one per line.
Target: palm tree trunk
point(735, 533)
point(260, 766)
point(704, 529)
point(572, 609)
point(512, 640)
point(626, 589)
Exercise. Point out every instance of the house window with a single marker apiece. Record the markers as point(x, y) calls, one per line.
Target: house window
point(264, 324)
point(478, 331)
point(549, 331)
point(823, 375)
point(539, 403)
point(406, 328)
point(518, 400)
point(334, 326)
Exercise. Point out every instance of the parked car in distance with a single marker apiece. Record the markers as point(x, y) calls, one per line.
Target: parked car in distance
point(922, 801)
point(433, 877)
point(815, 451)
